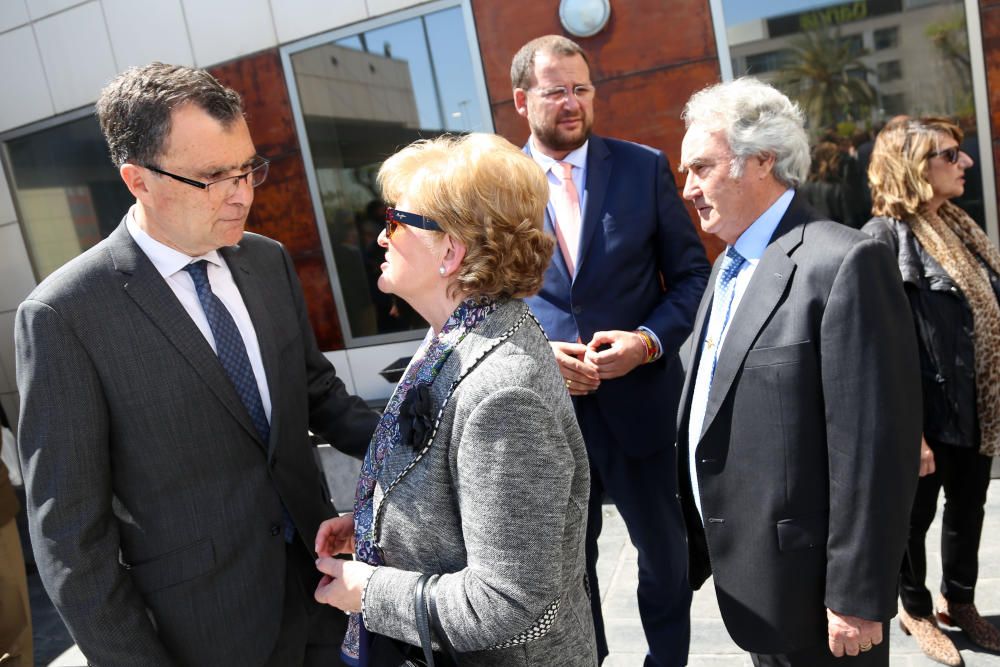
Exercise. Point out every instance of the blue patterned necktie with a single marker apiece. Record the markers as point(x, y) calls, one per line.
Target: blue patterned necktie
point(722, 307)
point(230, 348)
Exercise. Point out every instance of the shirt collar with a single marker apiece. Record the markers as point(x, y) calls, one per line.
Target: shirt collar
point(167, 260)
point(753, 241)
point(577, 158)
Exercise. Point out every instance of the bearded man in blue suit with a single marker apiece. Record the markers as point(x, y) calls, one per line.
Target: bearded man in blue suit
point(619, 299)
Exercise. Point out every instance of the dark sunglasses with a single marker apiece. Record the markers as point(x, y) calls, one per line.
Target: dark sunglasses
point(394, 218)
point(949, 154)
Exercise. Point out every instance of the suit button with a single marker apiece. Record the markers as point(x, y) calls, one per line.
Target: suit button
point(577, 310)
point(275, 530)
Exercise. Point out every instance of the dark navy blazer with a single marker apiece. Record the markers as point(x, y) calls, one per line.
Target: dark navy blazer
point(640, 263)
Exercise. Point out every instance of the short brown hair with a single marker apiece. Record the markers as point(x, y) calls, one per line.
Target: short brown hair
point(898, 168)
point(135, 108)
point(486, 193)
point(522, 68)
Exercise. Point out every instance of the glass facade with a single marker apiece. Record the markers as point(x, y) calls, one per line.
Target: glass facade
point(361, 98)
point(852, 66)
point(67, 200)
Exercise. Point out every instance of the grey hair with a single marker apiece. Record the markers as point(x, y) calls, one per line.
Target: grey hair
point(758, 120)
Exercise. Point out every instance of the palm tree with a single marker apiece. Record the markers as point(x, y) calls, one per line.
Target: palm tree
point(826, 77)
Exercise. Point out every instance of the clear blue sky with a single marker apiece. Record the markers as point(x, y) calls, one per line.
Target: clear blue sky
point(741, 11)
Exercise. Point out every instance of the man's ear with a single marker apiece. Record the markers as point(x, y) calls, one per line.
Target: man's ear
point(521, 102)
point(766, 162)
point(135, 180)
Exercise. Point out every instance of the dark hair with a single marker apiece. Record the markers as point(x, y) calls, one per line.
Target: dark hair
point(135, 108)
point(522, 68)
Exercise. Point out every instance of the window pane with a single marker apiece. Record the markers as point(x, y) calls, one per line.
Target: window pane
point(852, 66)
point(67, 200)
point(363, 97)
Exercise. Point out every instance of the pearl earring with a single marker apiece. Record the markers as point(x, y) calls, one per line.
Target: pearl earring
point(441, 269)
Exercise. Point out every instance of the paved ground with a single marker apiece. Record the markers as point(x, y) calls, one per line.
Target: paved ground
point(710, 645)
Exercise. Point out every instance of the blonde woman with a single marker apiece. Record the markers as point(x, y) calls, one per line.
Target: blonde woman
point(477, 474)
point(951, 272)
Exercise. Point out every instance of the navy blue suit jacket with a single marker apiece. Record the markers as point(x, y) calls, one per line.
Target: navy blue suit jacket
point(640, 263)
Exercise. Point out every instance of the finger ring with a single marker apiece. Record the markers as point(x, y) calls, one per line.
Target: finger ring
point(867, 646)
point(568, 383)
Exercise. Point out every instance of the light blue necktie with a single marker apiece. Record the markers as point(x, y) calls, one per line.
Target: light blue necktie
point(722, 307)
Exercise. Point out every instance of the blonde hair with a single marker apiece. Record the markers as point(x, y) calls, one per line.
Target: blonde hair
point(898, 168)
point(486, 193)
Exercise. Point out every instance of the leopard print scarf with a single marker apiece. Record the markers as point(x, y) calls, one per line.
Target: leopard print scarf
point(961, 247)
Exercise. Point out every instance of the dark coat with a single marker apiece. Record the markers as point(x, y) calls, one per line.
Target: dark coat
point(807, 461)
point(944, 325)
point(155, 509)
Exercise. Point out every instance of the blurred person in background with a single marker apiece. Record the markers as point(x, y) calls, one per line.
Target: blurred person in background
point(15, 612)
point(951, 272)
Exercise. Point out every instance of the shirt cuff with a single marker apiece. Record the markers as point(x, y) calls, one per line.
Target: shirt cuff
point(656, 342)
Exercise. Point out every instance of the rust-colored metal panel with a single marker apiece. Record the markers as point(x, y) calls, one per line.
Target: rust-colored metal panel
point(282, 206)
point(644, 35)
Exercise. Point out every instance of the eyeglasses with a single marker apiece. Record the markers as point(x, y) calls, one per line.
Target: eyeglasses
point(557, 94)
point(950, 154)
point(228, 185)
point(394, 218)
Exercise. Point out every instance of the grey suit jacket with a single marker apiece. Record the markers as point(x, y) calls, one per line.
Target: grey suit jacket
point(496, 504)
point(155, 509)
point(808, 456)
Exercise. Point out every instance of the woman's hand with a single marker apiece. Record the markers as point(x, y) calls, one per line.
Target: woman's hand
point(335, 536)
point(343, 583)
point(926, 458)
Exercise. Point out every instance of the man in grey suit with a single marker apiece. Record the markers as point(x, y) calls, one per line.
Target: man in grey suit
point(799, 424)
point(169, 377)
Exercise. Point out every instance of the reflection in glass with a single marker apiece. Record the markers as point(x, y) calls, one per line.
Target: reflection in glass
point(852, 66)
point(67, 200)
point(362, 98)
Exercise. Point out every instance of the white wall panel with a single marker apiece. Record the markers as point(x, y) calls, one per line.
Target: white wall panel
point(16, 276)
point(146, 30)
point(294, 19)
point(42, 8)
point(76, 51)
point(13, 13)
point(339, 360)
point(379, 7)
point(226, 29)
point(26, 93)
point(7, 213)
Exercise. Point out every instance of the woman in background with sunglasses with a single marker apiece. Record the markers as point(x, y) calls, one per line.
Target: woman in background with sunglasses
point(951, 272)
point(472, 502)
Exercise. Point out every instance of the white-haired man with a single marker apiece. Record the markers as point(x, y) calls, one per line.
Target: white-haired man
point(799, 424)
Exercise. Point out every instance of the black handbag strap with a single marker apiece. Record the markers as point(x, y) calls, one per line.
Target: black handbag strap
point(423, 618)
point(430, 593)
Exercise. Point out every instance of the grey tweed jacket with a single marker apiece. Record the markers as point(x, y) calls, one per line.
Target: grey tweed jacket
point(496, 503)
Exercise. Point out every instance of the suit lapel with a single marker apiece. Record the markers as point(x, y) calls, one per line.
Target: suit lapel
point(147, 288)
point(594, 192)
point(254, 292)
point(697, 336)
point(763, 295)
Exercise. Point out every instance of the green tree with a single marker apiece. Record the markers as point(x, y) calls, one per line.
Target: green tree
point(825, 75)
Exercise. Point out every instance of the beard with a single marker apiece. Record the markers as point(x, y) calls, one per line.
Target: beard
point(554, 138)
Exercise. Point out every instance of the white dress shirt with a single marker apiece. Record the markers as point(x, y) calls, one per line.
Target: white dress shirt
point(170, 263)
point(751, 246)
